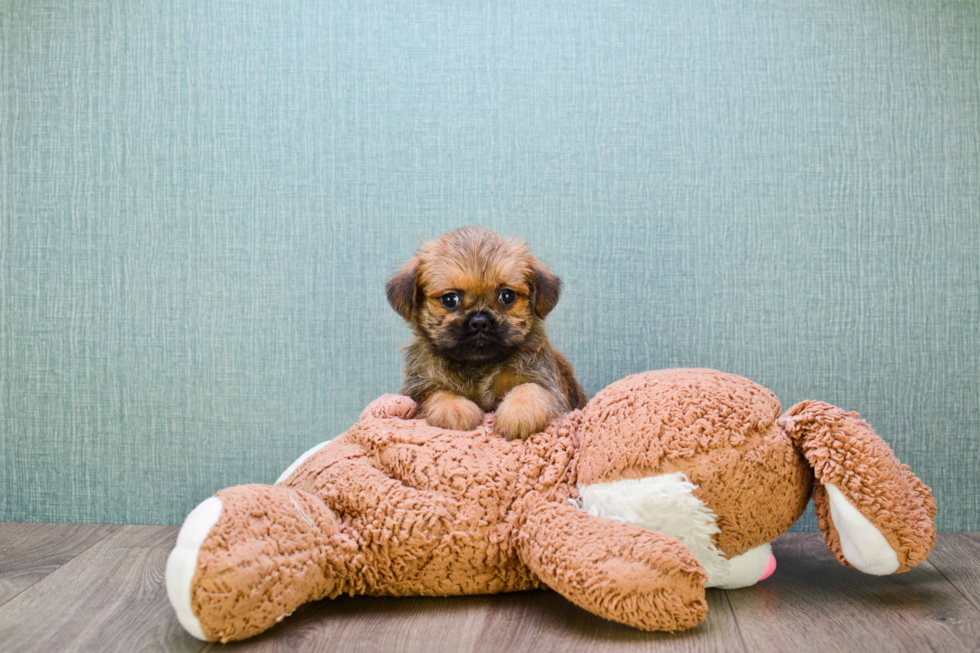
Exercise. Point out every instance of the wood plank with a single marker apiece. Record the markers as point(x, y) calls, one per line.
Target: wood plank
point(957, 557)
point(812, 603)
point(536, 622)
point(110, 598)
point(29, 551)
point(368, 624)
point(524, 621)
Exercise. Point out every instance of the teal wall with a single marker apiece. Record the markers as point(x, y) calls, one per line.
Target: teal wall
point(201, 201)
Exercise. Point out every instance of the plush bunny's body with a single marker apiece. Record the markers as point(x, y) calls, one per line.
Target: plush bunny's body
point(667, 482)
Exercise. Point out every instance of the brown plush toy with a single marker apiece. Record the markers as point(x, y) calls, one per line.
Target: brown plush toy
point(666, 483)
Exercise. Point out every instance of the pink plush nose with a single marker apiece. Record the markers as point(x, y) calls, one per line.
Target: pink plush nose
point(770, 567)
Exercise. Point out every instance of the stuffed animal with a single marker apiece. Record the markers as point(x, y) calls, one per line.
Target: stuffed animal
point(664, 484)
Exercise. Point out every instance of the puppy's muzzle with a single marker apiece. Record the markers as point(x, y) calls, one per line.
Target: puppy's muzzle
point(478, 323)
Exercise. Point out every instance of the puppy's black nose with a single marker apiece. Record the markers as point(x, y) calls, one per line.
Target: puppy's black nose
point(478, 322)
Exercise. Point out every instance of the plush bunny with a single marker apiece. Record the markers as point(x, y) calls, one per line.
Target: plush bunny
point(664, 484)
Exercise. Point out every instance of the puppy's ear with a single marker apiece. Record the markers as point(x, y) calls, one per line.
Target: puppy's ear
point(547, 289)
point(401, 289)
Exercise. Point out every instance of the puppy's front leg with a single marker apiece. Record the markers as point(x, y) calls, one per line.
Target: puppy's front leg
point(525, 410)
point(449, 411)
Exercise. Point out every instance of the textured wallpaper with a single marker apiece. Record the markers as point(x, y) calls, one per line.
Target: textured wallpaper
point(201, 200)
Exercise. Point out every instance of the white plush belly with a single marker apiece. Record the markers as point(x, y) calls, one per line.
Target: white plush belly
point(666, 504)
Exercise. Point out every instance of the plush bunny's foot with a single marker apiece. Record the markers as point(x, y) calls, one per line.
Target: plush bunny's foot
point(875, 514)
point(182, 563)
point(250, 556)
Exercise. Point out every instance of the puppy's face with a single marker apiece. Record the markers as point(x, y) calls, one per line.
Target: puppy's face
point(474, 296)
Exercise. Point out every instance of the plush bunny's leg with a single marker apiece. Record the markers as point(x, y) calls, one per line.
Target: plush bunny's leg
point(874, 513)
point(624, 573)
point(250, 556)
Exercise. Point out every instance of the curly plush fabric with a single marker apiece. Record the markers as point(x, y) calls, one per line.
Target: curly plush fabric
point(845, 452)
point(719, 430)
point(272, 550)
point(430, 510)
point(397, 507)
point(657, 421)
point(623, 573)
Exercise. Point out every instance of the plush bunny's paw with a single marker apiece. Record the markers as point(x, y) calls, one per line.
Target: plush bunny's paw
point(623, 573)
point(388, 406)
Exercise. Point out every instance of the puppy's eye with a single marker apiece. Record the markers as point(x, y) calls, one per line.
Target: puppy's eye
point(506, 296)
point(450, 301)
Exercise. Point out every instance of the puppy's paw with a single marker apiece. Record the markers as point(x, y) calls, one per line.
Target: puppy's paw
point(525, 410)
point(449, 411)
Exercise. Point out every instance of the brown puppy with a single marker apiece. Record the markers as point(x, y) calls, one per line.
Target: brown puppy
point(476, 304)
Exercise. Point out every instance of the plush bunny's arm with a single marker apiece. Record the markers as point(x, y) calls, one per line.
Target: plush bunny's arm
point(623, 573)
point(390, 405)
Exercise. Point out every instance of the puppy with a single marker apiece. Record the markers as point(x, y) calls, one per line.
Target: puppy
point(476, 305)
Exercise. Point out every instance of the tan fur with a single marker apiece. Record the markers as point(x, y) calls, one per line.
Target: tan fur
point(449, 411)
point(525, 410)
point(476, 263)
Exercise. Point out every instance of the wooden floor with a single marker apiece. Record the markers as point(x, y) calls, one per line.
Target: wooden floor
point(86, 587)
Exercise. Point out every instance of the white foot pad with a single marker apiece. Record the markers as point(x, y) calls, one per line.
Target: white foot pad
point(182, 563)
point(861, 543)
